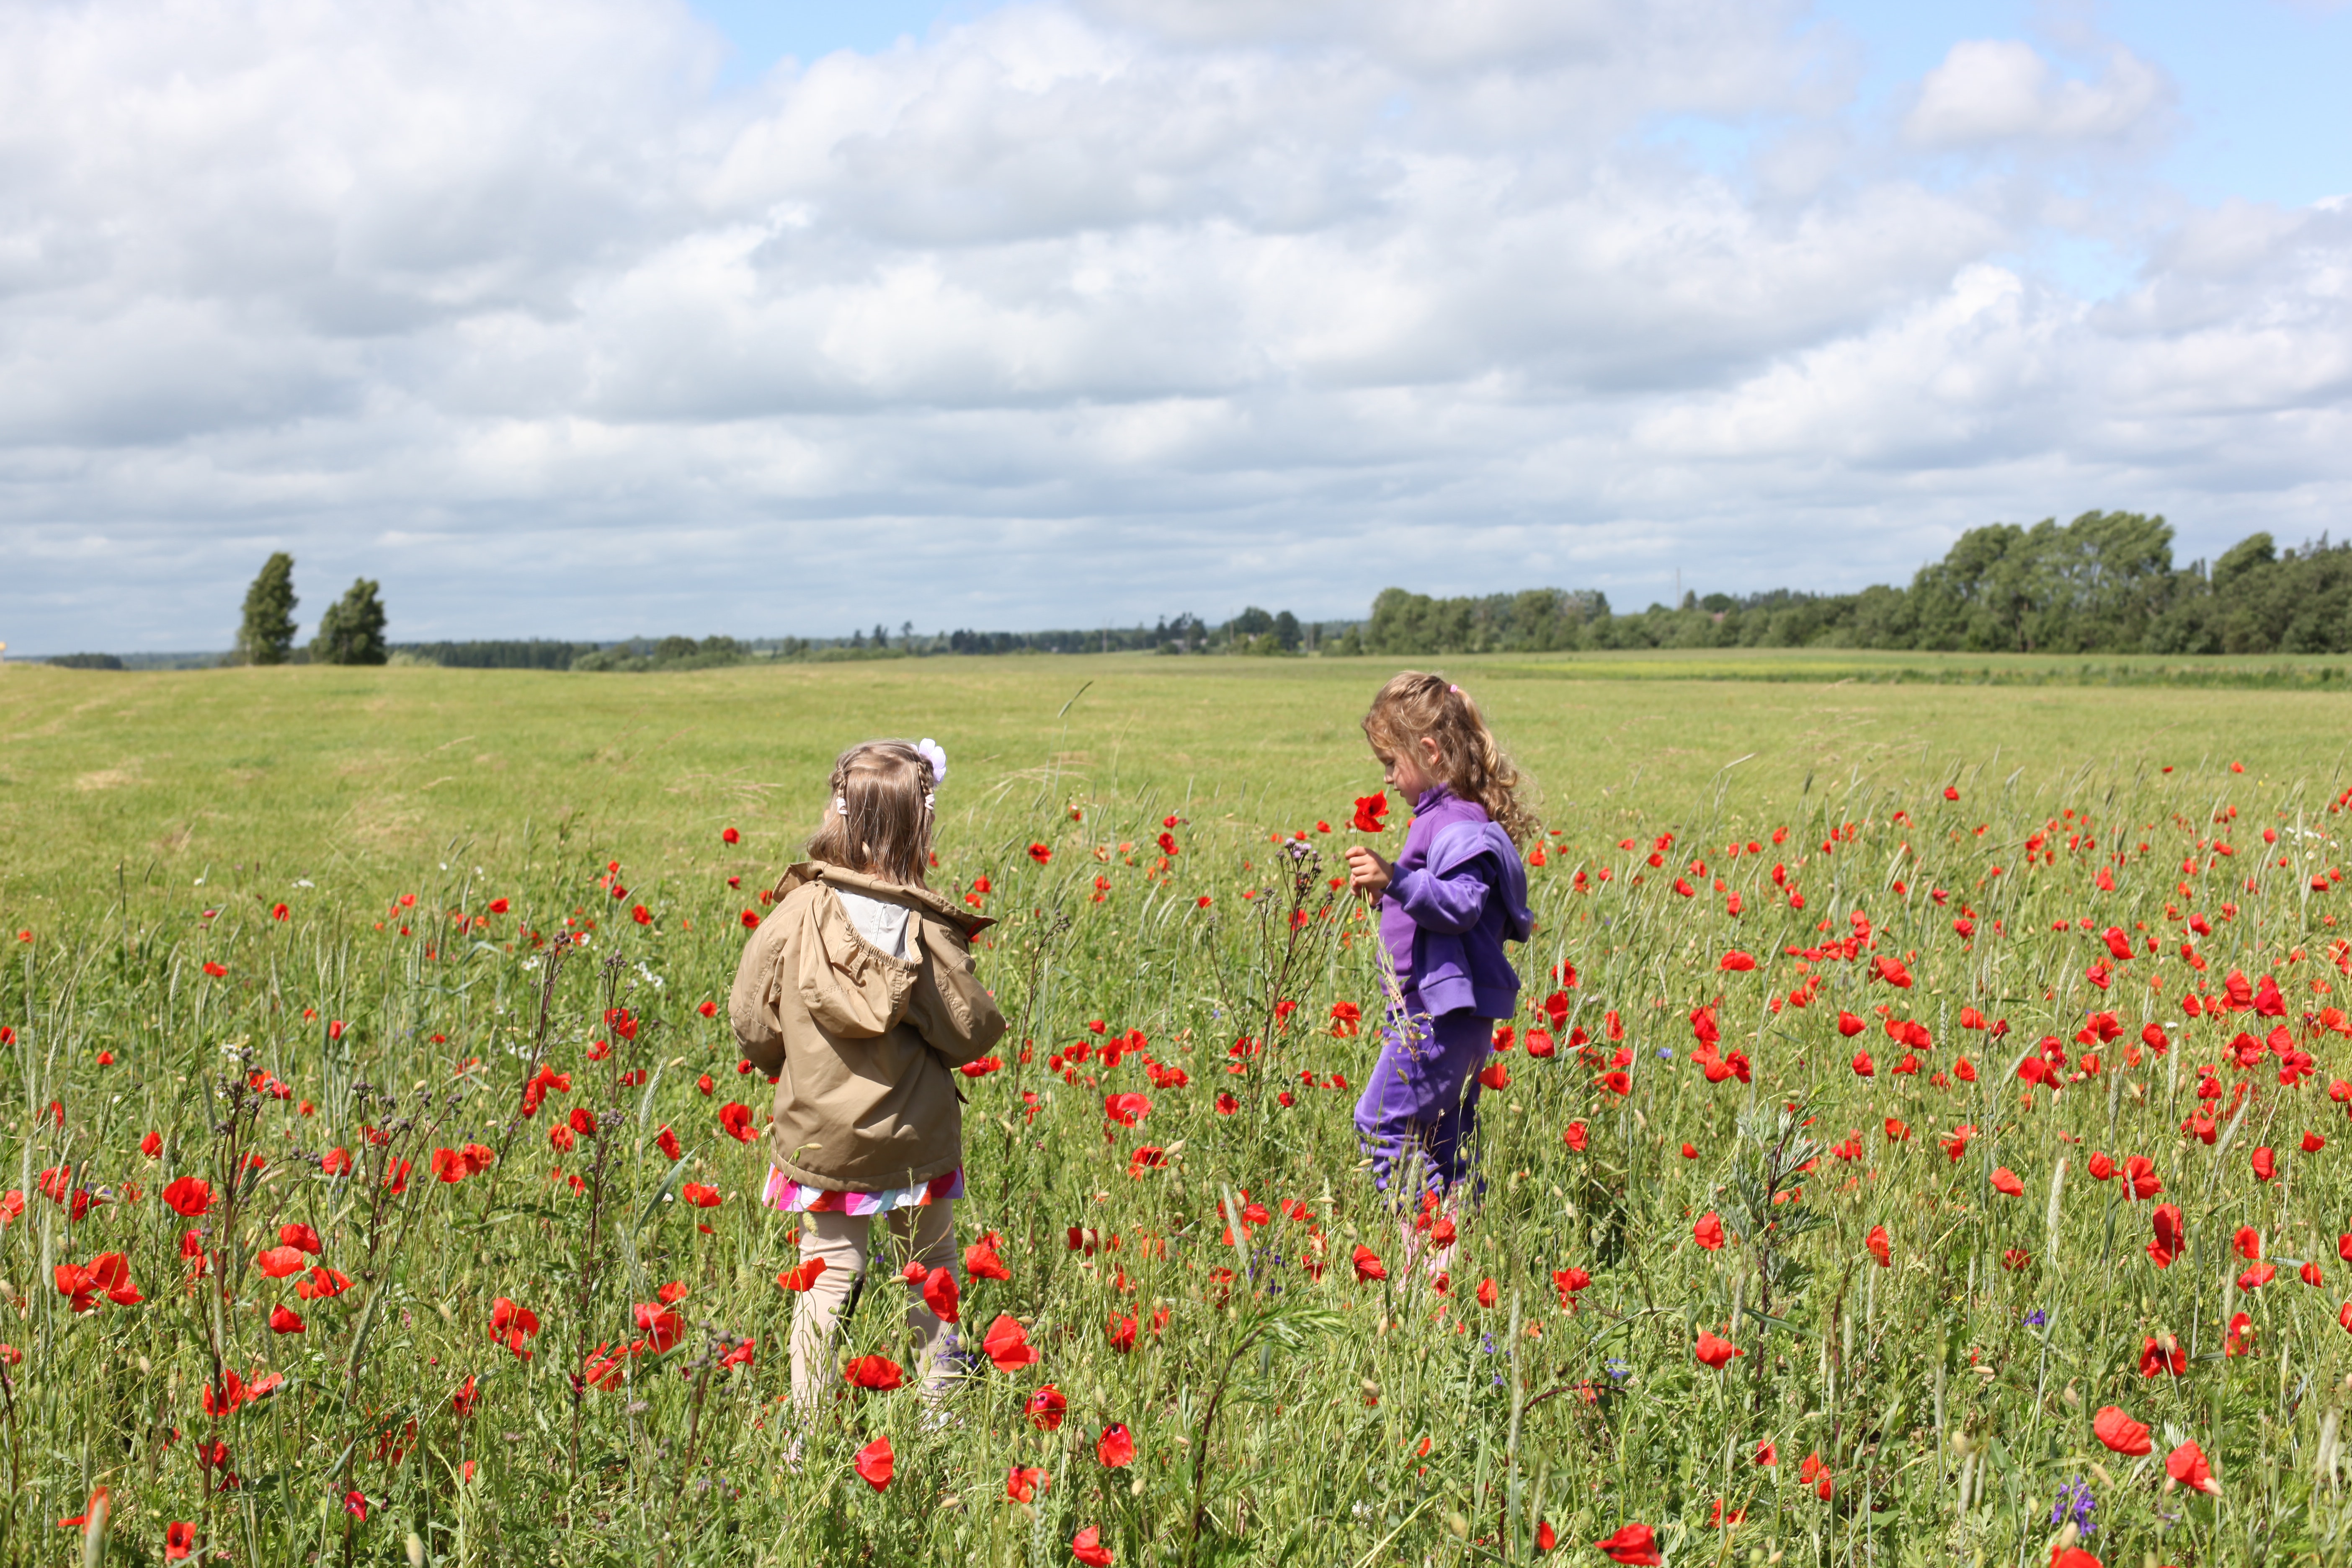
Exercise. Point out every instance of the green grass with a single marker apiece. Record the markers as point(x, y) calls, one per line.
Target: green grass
point(151, 824)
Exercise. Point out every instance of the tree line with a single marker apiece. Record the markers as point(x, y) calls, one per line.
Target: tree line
point(350, 632)
point(2104, 582)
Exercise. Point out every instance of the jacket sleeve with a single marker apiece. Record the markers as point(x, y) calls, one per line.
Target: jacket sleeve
point(1450, 893)
point(954, 1013)
point(751, 1004)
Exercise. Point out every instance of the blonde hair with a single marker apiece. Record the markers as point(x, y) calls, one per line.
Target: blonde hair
point(877, 812)
point(1414, 705)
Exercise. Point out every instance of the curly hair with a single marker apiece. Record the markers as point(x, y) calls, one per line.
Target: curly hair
point(1470, 763)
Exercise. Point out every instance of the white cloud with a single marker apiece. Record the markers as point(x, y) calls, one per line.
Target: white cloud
point(1999, 90)
point(1086, 310)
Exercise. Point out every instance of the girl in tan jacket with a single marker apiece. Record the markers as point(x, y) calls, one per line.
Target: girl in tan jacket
point(857, 998)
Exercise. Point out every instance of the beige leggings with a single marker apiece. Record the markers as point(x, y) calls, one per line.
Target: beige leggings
point(846, 1243)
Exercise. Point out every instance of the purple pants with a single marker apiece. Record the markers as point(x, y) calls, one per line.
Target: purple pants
point(1421, 1103)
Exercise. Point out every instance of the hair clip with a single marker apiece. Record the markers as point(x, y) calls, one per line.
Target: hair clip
point(936, 754)
point(840, 805)
point(1456, 689)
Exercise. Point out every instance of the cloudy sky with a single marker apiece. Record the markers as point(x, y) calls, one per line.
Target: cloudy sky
point(588, 318)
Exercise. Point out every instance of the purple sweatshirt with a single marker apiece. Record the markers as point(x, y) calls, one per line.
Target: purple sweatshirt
point(1458, 894)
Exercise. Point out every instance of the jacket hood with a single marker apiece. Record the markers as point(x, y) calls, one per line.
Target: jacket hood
point(966, 920)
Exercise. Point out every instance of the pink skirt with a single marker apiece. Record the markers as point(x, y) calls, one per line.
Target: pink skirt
point(788, 1197)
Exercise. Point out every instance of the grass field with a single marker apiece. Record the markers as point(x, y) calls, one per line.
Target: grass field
point(435, 836)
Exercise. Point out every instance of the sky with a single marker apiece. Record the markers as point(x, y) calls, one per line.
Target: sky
point(602, 318)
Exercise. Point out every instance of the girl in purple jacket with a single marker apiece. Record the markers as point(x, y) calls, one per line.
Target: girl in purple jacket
point(1448, 903)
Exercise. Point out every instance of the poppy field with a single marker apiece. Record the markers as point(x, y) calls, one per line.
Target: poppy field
point(1922, 1139)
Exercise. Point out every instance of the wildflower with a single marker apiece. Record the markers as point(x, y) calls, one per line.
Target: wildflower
point(1039, 853)
point(179, 1540)
point(1088, 1548)
point(1007, 1344)
point(1708, 1231)
point(802, 1275)
point(2005, 1181)
point(1046, 1408)
point(728, 836)
point(2120, 1432)
point(1024, 1483)
point(1715, 1353)
point(874, 1463)
point(1879, 1245)
point(940, 1294)
point(512, 1325)
point(1369, 1267)
point(2169, 1241)
point(188, 1197)
point(878, 1372)
point(2155, 1360)
point(981, 1262)
point(2075, 1505)
point(1369, 810)
point(1116, 1447)
point(2186, 1466)
point(1634, 1543)
point(735, 1120)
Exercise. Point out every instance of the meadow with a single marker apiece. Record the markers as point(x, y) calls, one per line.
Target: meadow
point(1910, 1074)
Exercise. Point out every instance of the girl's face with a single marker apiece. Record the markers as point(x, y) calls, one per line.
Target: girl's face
point(1412, 772)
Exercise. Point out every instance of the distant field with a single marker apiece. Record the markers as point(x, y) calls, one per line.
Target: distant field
point(310, 770)
point(284, 947)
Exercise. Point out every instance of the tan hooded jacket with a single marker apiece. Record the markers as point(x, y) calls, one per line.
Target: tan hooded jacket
point(862, 1045)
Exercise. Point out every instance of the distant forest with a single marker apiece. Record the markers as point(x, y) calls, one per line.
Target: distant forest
point(2104, 583)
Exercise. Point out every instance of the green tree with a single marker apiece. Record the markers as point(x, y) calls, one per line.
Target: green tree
point(267, 635)
point(352, 631)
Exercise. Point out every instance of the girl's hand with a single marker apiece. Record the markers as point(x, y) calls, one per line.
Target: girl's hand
point(1366, 873)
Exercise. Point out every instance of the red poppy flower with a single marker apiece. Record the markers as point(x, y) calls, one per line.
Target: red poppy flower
point(1739, 962)
point(2186, 1466)
point(1088, 1548)
point(1007, 1344)
point(1369, 810)
point(1127, 1109)
point(1708, 1231)
point(215, 970)
point(802, 1275)
point(728, 836)
point(940, 1294)
point(278, 1262)
point(2155, 1360)
point(875, 1461)
point(1369, 1267)
point(188, 1197)
point(879, 1373)
point(1045, 1409)
point(1634, 1543)
point(1024, 1483)
point(1715, 1353)
point(2005, 1181)
point(2120, 1432)
point(284, 1320)
point(981, 1262)
point(1116, 1447)
point(1041, 854)
point(179, 1540)
point(2170, 1241)
point(735, 1120)
point(1879, 1245)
